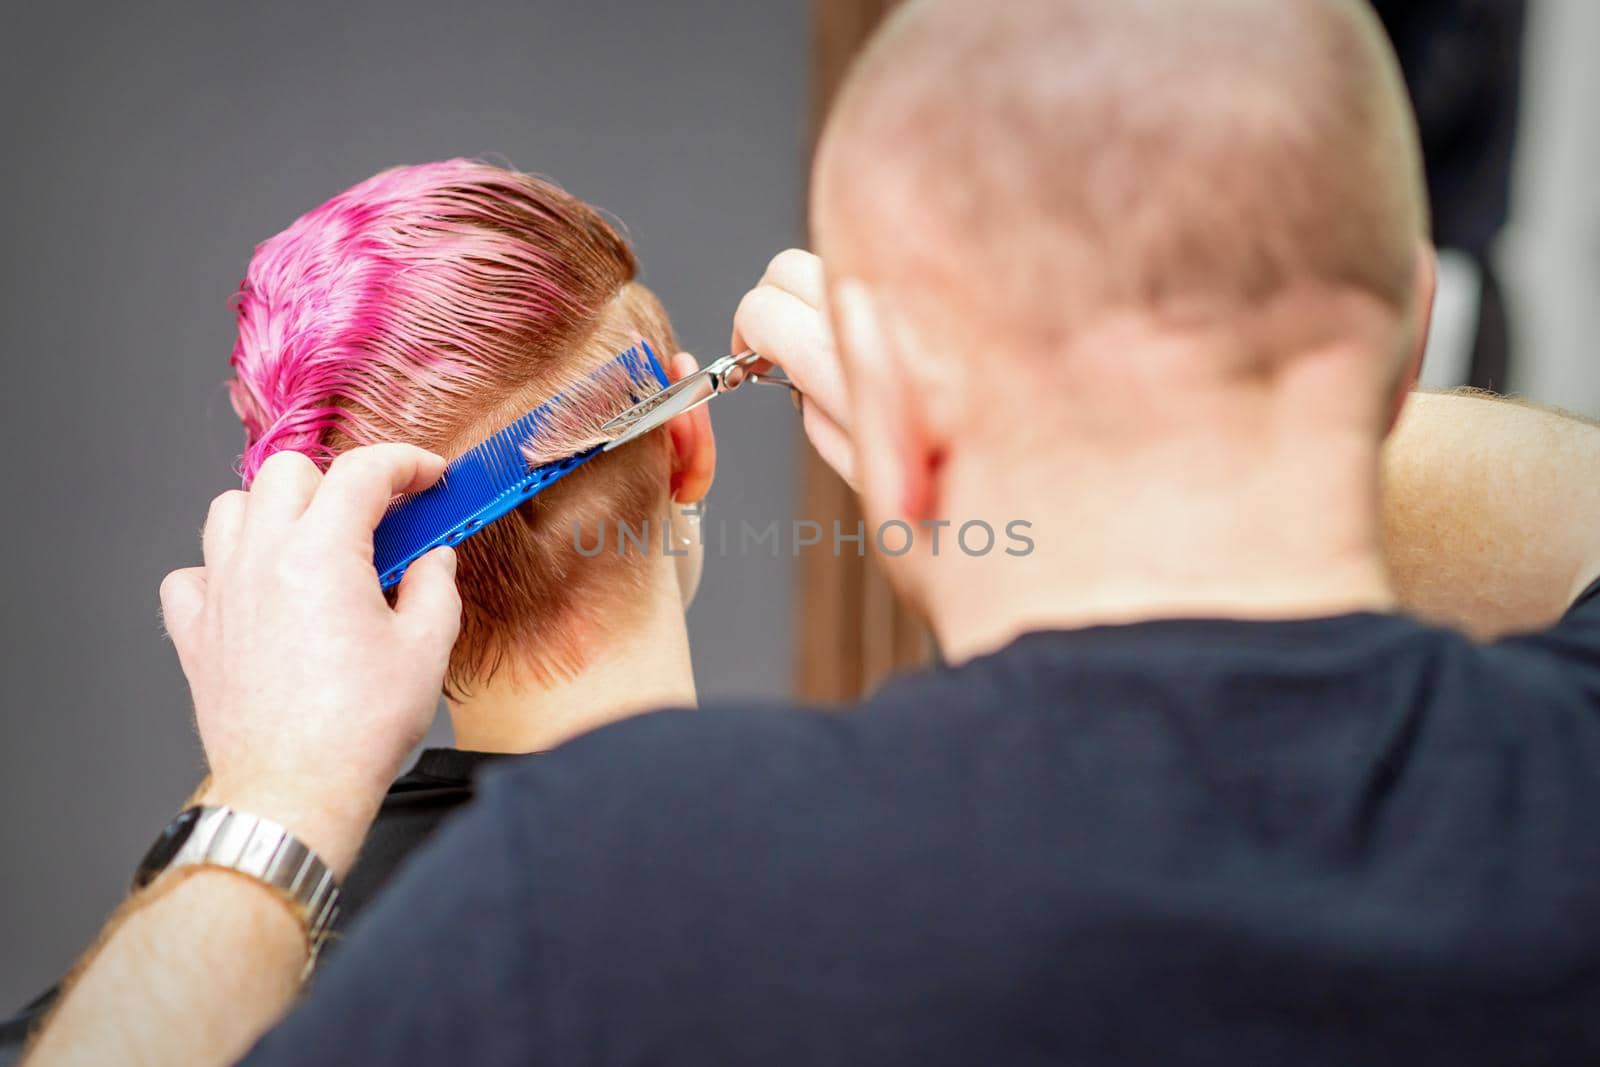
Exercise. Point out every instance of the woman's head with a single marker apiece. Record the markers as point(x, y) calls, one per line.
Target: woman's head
point(434, 304)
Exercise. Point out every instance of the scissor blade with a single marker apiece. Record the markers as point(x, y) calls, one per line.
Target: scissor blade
point(659, 409)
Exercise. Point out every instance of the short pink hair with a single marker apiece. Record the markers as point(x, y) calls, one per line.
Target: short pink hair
point(434, 304)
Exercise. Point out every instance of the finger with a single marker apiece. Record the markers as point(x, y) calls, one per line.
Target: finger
point(282, 488)
point(429, 602)
point(798, 272)
point(793, 320)
point(224, 522)
point(183, 597)
point(360, 483)
point(792, 334)
point(832, 443)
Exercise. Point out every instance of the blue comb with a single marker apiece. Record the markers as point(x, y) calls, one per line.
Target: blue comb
point(495, 475)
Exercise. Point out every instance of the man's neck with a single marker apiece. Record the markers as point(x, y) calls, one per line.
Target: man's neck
point(646, 667)
point(1200, 526)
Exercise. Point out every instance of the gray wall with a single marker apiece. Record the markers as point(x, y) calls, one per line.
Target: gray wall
point(146, 151)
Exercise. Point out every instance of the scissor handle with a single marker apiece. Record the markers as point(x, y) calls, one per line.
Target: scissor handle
point(738, 373)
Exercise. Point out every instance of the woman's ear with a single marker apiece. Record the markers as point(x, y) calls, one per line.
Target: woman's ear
point(694, 448)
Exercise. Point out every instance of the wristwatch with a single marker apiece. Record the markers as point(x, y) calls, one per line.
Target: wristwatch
point(256, 847)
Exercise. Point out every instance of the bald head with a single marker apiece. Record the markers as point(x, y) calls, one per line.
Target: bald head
point(1013, 169)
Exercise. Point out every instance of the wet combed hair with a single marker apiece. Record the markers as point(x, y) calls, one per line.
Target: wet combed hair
point(433, 304)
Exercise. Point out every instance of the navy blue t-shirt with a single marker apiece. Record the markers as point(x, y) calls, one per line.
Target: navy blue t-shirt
point(1335, 841)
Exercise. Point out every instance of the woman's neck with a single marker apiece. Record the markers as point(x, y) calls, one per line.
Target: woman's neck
point(647, 667)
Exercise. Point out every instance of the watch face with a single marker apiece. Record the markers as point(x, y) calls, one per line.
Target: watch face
point(167, 845)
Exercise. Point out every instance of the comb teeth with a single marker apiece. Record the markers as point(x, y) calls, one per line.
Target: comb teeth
point(514, 465)
point(573, 421)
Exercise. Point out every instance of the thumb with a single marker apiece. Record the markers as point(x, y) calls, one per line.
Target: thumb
point(428, 601)
point(183, 597)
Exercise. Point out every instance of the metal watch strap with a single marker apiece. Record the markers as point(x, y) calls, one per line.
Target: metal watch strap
point(269, 853)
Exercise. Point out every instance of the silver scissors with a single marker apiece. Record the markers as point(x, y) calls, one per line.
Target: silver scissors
point(718, 376)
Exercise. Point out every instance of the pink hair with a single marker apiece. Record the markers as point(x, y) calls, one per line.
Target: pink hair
point(434, 304)
point(441, 278)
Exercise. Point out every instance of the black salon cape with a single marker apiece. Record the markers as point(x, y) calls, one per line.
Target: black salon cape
point(1340, 841)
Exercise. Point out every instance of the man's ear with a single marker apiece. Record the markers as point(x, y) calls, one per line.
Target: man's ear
point(1425, 288)
point(897, 461)
point(694, 448)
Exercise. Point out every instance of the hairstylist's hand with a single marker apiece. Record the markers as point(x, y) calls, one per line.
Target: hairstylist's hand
point(309, 689)
point(783, 318)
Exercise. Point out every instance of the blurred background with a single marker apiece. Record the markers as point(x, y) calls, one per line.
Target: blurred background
point(1506, 94)
point(151, 146)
